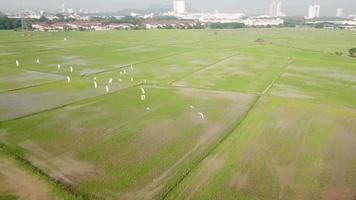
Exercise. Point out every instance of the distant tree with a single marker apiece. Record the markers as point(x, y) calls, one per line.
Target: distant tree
point(8, 23)
point(165, 18)
point(60, 16)
point(226, 25)
point(42, 19)
point(339, 53)
point(289, 24)
point(319, 25)
point(352, 52)
point(260, 40)
point(199, 26)
point(93, 18)
point(130, 20)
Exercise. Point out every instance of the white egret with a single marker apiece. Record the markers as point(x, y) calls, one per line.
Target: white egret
point(201, 115)
point(143, 97)
point(143, 91)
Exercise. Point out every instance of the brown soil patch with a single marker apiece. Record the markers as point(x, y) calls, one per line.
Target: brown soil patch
point(22, 184)
point(239, 181)
point(339, 193)
point(64, 167)
point(285, 176)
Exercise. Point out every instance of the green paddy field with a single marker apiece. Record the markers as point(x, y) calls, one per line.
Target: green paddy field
point(224, 116)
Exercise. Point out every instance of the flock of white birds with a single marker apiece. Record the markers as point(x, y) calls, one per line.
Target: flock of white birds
point(110, 81)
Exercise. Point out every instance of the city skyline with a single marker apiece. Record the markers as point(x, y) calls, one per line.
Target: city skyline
point(328, 7)
point(276, 9)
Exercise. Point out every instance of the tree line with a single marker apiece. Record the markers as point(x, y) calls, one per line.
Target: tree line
point(9, 23)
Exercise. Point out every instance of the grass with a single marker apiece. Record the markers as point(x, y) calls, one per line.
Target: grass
point(121, 125)
point(279, 116)
point(285, 148)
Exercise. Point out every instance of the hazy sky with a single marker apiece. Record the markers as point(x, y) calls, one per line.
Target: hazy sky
point(291, 7)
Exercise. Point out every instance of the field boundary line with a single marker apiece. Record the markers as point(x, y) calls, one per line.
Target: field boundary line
point(212, 148)
point(203, 89)
point(33, 70)
point(299, 48)
point(30, 86)
point(137, 63)
point(14, 42)
point(204, 68)
point(277, 77)
point(40, 84)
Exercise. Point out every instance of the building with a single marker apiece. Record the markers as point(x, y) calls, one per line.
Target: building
point(180, 6)
point(349, 22)
point(340, 12)
point(275, 9)
point(314, 11)
point(263, 21)
point(63, 8)
point(219, 17)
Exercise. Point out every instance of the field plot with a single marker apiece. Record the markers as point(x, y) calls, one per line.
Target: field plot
point(329, 80)
point(87, 55)
point(178, 114)
point(31, 100)
point(314, 40)
point(167, 70)
point(100, 153)
point(284, 149)
point(237, 73)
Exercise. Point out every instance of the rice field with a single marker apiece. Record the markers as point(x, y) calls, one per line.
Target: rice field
point(178, 114)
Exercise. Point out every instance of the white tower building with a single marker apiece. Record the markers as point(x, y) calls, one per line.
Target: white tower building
point(275, 9)
point(180, 6)
point(314, 11)
point(63, 8)
point(340, 12)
